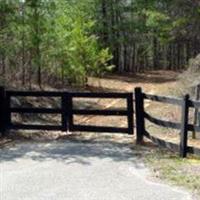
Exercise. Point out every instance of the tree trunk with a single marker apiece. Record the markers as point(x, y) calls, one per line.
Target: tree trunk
point(105, 18)
point(23, 51)
point(178, 55)
point(155, 53)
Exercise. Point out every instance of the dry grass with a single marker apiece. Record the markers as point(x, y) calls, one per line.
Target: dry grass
point(169, 167)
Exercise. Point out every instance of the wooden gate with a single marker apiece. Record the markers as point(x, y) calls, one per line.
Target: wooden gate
point(66, 110)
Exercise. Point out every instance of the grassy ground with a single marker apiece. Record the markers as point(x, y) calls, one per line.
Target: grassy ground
point(164, 164)
point(168, 167)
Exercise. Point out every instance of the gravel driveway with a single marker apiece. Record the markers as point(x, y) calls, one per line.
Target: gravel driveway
point(75, 170)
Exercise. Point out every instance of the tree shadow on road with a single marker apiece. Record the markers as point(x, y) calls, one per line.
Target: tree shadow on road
point(76, 149)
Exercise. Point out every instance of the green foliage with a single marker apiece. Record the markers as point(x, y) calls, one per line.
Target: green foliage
point(54, 37)
point(72, 39)
point(77, 50)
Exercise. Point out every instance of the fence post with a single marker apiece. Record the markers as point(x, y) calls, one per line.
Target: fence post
point(139, 109)
point(2, 111)
point(130, 114)
point(64, 111)
point(70, 109)
point(184, 126)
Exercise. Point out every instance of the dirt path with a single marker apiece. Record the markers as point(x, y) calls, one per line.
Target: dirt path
point(157, 82)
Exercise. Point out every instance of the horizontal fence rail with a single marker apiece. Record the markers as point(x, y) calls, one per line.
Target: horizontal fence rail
point(101, 112)
point(66, 110)
point(191, 127)
point(35, 127)
point(163, 99)
point(109, 95)
point(163, 123)
point(34, 93)
point(99, 129)
point(194, 104)
point(161, 142)
point(35, 110)
point(141, 115)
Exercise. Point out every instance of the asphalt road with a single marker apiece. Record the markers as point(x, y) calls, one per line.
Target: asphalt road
point(78, 171)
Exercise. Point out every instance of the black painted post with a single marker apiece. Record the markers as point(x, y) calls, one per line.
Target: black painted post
point(130, 114)
point(184, 126)
point(2, 111)
point(8, 118)
point(70, 110)
point(139, 109)
point(64, 111)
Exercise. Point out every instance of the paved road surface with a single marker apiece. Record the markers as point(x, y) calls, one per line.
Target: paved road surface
point(78, 171)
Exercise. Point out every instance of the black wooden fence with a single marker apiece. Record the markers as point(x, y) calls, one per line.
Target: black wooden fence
point(184, 126)
point(66, 110)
